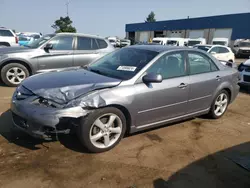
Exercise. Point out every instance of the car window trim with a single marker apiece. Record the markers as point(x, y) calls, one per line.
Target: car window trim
point(201, 54)
point(139, 80)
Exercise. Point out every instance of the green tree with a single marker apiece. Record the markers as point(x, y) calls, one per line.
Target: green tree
point(151, 17)
point(64, 25)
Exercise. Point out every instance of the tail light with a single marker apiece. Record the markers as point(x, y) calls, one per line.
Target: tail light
point(16, 39)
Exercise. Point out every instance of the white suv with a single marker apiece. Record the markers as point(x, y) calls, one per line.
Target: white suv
point(8, 38)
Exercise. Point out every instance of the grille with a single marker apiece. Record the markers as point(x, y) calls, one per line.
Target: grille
point(246, 78)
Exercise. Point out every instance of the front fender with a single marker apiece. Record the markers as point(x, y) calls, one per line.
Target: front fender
point(12, 59)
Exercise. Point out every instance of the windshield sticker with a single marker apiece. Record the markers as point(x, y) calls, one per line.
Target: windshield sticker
point(126, 68)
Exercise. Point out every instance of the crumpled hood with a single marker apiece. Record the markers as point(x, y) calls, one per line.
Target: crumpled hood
point(20, 49)
point(67, 85)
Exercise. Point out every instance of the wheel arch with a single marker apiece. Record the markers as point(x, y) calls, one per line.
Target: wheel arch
point(126, 113)
point(224, 86)
point(24, 63)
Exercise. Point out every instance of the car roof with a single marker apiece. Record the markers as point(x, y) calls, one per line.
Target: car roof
point(158, 48)
point(81, 34)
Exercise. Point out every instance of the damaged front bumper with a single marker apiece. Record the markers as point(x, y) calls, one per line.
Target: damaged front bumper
point(43, 122)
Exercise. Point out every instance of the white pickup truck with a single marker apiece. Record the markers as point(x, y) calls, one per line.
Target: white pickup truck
point(8, 38)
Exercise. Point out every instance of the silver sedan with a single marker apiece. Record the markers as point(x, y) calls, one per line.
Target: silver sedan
point(129, 90)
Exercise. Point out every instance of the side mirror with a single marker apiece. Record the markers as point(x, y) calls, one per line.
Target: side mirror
point(213, 53)
point(152, 78)
point(48, 47)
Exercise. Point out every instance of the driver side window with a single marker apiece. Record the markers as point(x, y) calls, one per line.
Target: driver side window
point(169, 66)
point(62, 43)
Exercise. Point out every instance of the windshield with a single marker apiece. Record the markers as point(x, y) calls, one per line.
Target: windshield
point(172, 42)
point(123, 64)
point(193, 42)
point(219, 43)
point(205, 48)
point(244, 44)
point(39, 42)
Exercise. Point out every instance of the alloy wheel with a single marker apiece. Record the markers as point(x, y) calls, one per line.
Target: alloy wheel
point(106, 130)
point(220, 104)
point(15, 75)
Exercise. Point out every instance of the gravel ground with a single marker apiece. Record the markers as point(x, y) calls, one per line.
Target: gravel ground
point(195, 153)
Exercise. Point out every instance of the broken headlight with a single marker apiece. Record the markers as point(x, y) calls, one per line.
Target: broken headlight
point(46, 103)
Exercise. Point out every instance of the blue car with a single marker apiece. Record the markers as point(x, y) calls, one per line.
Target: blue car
point(24, 40)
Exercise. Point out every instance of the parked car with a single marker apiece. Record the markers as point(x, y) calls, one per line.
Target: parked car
point(125, 42)
point(129, 90)
point(193, 42)
point(242, 48)
point(8, 38)
point(221, 41)
point(114, 41)
point(160, 40)
point(244, 69)
point(24, 40)
point(220, 52)
point(176, 42)
point(50, 52)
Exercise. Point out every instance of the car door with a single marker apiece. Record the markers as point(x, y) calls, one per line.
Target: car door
point(60, 56)
point(86, 51)
point(204, 79)
point(158, 102)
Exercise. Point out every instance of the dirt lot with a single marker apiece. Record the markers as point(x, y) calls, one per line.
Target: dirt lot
point(195, 153)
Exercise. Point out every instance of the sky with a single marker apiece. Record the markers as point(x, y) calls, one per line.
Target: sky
point(107, 17)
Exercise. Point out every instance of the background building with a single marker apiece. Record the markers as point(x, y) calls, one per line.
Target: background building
point(233, 26)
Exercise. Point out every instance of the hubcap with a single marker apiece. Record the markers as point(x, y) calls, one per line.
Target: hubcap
point(106, 130)
point(220, 104)
point(15, 75)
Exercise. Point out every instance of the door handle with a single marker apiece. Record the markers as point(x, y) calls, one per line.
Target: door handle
point(218, 78)
point(182, 85)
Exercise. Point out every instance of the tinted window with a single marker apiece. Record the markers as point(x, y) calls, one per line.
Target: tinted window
point(199, 63)
point(223, 50)
point(86, 43)
point(215, 49)
point(6, 33)
point(62, 43)
point(123, 64)
point(101, 43)
point(169, 66)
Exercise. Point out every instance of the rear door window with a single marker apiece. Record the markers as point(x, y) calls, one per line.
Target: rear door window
point(199, 64)
point(101, 43)
point(86, 43)
point(6, 33)
point(223, 50)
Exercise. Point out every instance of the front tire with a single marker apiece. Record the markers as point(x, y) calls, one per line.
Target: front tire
point(13, 74)
point(102, 130)
point(219, 105)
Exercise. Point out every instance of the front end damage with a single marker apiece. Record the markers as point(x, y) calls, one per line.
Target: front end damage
point(43, 118)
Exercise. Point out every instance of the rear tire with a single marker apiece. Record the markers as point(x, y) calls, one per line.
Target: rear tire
point(102, 130)
point(12, 74)
point(219, 105)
